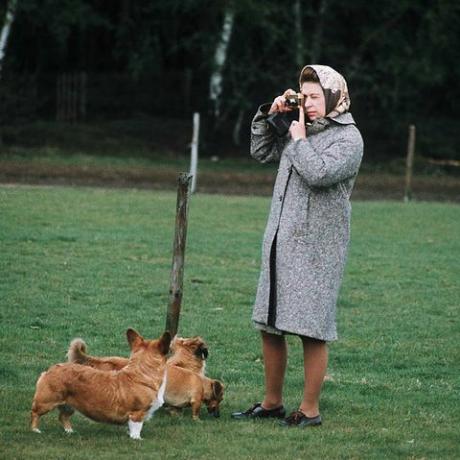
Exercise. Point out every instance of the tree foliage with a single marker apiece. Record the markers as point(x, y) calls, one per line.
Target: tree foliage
point(399, 56)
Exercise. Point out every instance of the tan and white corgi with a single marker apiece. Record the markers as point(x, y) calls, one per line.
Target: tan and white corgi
point(130, 395)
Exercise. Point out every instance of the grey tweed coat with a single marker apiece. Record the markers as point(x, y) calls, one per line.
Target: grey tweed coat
point(306, 238)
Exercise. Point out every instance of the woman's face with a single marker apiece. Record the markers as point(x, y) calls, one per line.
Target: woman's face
point(314, 101)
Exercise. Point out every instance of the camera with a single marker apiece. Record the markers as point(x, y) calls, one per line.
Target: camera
point(280, 122)
point(294, 100)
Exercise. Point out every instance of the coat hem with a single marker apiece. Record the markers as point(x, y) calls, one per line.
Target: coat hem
point(275, 331)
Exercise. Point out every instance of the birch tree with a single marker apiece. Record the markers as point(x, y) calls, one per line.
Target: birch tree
point(9, 18)
point(220, 56)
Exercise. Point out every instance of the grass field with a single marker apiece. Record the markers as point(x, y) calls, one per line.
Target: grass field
point(93, 262)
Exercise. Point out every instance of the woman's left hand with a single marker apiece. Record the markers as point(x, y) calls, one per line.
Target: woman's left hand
point(298, 129)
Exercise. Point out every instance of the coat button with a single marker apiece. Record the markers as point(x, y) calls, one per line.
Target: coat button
point(281, 197)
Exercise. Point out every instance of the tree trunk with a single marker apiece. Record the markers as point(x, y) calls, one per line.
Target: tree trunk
point(315, 55)
point(9, 18)
point(299, 55)
point(237, 127)
point(220, 55)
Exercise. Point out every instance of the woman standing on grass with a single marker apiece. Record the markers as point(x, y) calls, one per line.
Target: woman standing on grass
point(306, 238)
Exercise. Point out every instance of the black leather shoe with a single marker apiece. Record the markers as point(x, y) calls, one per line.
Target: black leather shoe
point(298, 418)
point(257, 411)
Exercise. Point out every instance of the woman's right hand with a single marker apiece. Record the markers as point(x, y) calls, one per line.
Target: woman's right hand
point(279, 103)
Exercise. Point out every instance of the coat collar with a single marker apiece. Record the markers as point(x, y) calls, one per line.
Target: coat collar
point(320, 124)
point(344, 119)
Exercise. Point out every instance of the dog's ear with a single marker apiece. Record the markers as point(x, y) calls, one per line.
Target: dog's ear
point(134, 338)
point(165, 342)
point(202, 352)
point(217, 389)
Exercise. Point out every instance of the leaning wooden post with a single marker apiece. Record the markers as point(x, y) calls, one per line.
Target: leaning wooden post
point(177, 271)
point(409, 163)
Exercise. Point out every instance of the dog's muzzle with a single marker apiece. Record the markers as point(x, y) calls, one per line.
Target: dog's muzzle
point(214, 412)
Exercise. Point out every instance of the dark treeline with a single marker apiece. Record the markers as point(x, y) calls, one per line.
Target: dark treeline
point(158, 58)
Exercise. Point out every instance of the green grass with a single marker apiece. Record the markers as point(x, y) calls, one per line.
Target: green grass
point(93, 262)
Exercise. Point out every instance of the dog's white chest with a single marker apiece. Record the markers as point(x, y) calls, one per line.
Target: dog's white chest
point(160, 399)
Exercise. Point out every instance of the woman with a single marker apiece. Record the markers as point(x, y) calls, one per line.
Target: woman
point(306, 238)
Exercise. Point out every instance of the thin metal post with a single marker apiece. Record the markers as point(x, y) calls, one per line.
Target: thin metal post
point(177, 271)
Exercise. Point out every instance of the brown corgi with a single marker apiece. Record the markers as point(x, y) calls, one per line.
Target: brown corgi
point(130, 395)
point(186, 388)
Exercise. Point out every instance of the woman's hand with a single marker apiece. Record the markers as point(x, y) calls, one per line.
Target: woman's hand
point(279, 103)
point(298, 129)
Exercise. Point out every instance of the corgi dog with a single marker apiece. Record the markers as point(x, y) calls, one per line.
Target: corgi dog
point(130, 395)
point(185, 388)
point(186, 384)
point(188, 353)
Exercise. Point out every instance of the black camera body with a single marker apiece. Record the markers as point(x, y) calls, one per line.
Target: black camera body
point(280, 122)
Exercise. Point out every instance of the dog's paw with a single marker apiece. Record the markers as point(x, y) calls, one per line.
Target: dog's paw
point(68, 430)
point(36, 430)
point(135, 429)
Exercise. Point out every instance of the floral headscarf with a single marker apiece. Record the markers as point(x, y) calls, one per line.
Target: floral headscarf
point(334, 87)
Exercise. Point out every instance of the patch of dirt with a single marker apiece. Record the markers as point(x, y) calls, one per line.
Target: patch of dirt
point(374, 186)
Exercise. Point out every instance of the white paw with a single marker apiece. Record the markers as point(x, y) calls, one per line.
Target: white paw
point(68, 430)
point(36, 430)
point(135, 429)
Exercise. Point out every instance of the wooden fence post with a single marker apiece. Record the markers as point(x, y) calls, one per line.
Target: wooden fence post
point(409, 163)
point(71, 97)
point(187, 88)
point(177, 271)
point(82, 111)
point(58, 98)
point(66, 96)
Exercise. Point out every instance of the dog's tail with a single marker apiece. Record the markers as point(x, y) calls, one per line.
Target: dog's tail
point(77, 352)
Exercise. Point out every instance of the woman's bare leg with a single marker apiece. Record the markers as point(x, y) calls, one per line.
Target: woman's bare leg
point(275, 359)
point(315, 354)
